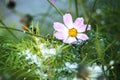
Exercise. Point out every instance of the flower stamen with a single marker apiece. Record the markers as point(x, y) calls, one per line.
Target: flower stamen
point(72, 32)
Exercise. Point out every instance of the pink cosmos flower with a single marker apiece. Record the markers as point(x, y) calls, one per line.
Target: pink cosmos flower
point(70, 32)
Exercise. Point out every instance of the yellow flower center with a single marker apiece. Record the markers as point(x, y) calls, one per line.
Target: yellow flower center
point(72, 32)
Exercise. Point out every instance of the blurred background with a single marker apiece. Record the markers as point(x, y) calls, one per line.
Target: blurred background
point(105, 17)
point(40, 10)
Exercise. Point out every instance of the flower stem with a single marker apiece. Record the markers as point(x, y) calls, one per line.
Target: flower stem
point(83, 10)
point(69, 6)
point(55, 8)
point(8, 28)
point(92, 9)
point(76, 7)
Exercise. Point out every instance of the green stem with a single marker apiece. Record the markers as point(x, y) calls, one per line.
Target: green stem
point(5, 26)
point(83, 10)
point(55, 8)
point(76, 7)
point(92, 9)
point(104, 72)
point(8, 28)
point(69, 6)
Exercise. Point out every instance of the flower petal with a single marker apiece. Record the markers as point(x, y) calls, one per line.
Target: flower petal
point(82, 28)
point(59, 26)
point(89, 27)
point(78, 24)
point(79, 21)
point(67, 18)
point(53, 1)
point(70, 40)
point(82, 37)
point(59, 35)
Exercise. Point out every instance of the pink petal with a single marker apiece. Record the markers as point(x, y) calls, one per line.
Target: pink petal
point(53, 1)
point(79, 25)
point(79, 21)
point(89, 27)
point(82, 28)
point(82, 37)
point(59, 35)
point(59, 26)
point(67, 18)
point(70, 40)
